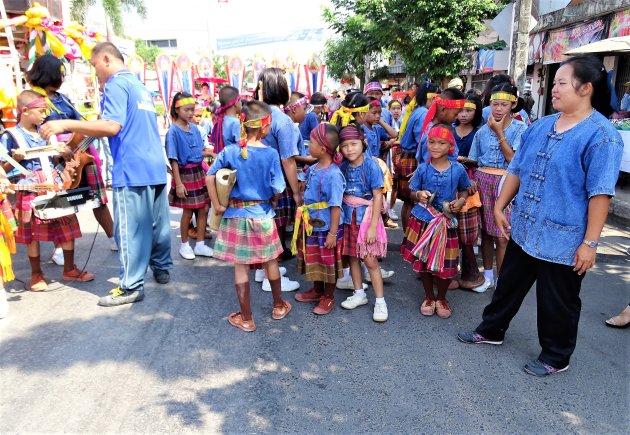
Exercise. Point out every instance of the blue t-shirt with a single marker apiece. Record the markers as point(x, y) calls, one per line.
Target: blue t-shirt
point(325, 185)
point(411, 137)
point(258, 178)
point(444, 184)
point(361, 181)
point(32, 139)
point(485, 149)
point(280, 137)
point(231, 131)
point(310, 122)
point(136, 149)
point(386, 115)
point(184, 146)
point(373, 137)
point(423, 154)
point(464, 143)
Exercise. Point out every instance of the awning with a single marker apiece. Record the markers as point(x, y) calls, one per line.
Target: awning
point(618, 44)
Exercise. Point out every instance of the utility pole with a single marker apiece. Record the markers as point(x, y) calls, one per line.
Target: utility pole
point(520, 41)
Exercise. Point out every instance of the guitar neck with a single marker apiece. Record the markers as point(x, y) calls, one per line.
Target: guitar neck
point(39, 187)
point(85, 143)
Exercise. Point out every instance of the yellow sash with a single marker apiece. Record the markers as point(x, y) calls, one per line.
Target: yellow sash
point(302, 214)
point(7, 247)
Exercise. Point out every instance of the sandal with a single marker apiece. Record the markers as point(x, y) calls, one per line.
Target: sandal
point(38, 283)
point(279, 313)
point(76, 275)
point(236, 319)
point(469, 285)
point(454, 284)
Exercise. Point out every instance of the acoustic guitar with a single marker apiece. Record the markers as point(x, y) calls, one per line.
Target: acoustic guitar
point(36, 187)
point(73, 168)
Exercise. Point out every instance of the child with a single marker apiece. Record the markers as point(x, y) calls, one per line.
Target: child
point(203, 124)
point(32, 110)
point(492, 150)
point(247, 234)
point(226, 130)
point(184, 147)
point(430, 251)
point(317, 235)
point(7, 242)
point(466, 126)
point(298, 109)
point(364, 234)
point(314, 117)
point(395, 107)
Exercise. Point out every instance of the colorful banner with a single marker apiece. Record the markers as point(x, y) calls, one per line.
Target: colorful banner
point(205, 69)
point(292, 68)
point(535, 51)
point(314, 70)
point(185, 73)
point(620, 24)
point(137, 66)
point(560, 41)
point(235, 69)
point(164, 70)
point(259, 63)
point(485, 62)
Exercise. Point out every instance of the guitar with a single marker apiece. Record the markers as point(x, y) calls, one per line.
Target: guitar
point(37, 187)
point(72, 170)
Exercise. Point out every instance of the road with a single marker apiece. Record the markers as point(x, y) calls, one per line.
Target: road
point(172, 363)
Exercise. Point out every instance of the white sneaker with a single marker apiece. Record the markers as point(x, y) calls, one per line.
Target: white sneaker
point(354, 301)
point(392, 214)
point(483, 287)
point(285, 284)
point(186, 252)
point(203, 250)
point(4, 305)
point(380, 313)
point(57, 257)
point(112, 245)
point(386, 274)
point(347, 284)
point(259, 274)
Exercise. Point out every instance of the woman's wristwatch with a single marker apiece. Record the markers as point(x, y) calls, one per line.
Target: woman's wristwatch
point(591, 243)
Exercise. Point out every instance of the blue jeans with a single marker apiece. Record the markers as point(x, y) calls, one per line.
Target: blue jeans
point(142, 232)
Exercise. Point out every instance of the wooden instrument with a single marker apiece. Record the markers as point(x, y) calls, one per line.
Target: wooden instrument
point(73, 168)
point(35, 187)
point(224, 182)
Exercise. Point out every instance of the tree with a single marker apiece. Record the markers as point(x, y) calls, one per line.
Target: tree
point(147, 52)
point(113, 11)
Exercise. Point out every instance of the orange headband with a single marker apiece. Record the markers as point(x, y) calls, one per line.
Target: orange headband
point(442, 133)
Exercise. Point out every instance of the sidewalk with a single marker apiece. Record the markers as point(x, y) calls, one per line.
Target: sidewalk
point(620, 205)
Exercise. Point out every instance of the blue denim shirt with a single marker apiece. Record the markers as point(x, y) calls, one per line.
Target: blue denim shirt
point(559, 173)
point(485, 149)
point(444, 184)
point(360, 181)
point(411, 137)
point(325, 185)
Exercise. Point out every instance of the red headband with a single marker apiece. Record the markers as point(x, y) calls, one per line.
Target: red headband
point(221, 110)
point(375, 103)
point(351, 132)
point(318, 134)
point(442, 133)
point(439, 101)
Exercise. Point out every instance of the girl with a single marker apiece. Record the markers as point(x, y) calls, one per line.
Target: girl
point(466, 126)
point(440, 187)
point(492, 150)
point(247, 234)
point(317, 236)
point(395, 107)
point(184, 149)
point(563, 178)
point(7, 242)
point(363, 233)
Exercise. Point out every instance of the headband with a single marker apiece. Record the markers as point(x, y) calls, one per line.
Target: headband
point(439, 101)
point(395, 102)
point(351, 132)
point(185, 102)
point(440, 132)
point(37, 103)
point(431, 95)
point(375, 103)
point(216, 136)
point(470, 105)
point(503, 96)
point(372, 86)
point(221, 110)
point(318, 134)
point(301, 102)
point(251, 123)
point(345, 114)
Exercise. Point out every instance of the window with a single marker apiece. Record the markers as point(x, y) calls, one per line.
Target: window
point(163, 43)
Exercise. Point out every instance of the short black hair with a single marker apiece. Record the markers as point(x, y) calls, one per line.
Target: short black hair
point(512, 90)
point(295, 96)
point(47, 70)
point(275, 89)
point(205, 85)
point(422, 91)
point(318, 99)
point(255, 110)
point(227, 94)
point(178, 96)
point(491, 84)
point(472, 97)
point(109, 48)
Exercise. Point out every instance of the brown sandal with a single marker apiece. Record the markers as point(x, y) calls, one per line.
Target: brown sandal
point(38, 283)
point(280, 313)
point(76, 275)
point(236, 320)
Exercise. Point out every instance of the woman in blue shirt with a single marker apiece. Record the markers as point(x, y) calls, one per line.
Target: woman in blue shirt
point(562, 179)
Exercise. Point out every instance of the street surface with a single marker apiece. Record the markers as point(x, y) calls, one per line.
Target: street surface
point(172, 363)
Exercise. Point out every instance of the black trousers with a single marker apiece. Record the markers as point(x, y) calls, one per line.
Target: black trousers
point(557, 300)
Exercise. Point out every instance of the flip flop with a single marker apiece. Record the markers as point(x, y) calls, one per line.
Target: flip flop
point(76, 275)
point(236, 320)
point(280, 313)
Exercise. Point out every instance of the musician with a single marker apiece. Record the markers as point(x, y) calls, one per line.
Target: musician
point(32, 110)
point(141, 221)
point(46, 77)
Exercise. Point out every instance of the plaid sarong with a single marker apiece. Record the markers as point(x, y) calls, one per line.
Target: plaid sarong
point(406, 166)
point(247, 241)
point(319, 263)
point(285, 208)
point(415, 228)
point(92, 178)
point(468, 226)
point(194, 180)
point(488, 187)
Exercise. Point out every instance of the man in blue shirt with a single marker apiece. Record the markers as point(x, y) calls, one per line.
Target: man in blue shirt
point(141, 217)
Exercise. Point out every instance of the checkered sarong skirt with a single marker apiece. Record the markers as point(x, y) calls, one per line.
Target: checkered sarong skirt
point(319, 263)
point(415, 228)
point(404, 169)
point(488, 186)
point(285, 208)
point(194, 180)
point(247, 241)
point(468, 225)
point(93, 178)
point(31, 228)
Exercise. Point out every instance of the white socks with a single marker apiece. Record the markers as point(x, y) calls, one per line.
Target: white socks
point(488, 274)
point(360, 292)
point(184, 244)
point(380, 300)
point(346, 273)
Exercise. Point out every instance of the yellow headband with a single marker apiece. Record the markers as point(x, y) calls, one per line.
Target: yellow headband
point(185, 102)
point(345, 114)
point(431, 95)
point(503, 96)
point(470, 105)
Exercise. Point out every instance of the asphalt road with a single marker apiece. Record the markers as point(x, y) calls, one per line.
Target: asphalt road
point(172, 363)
